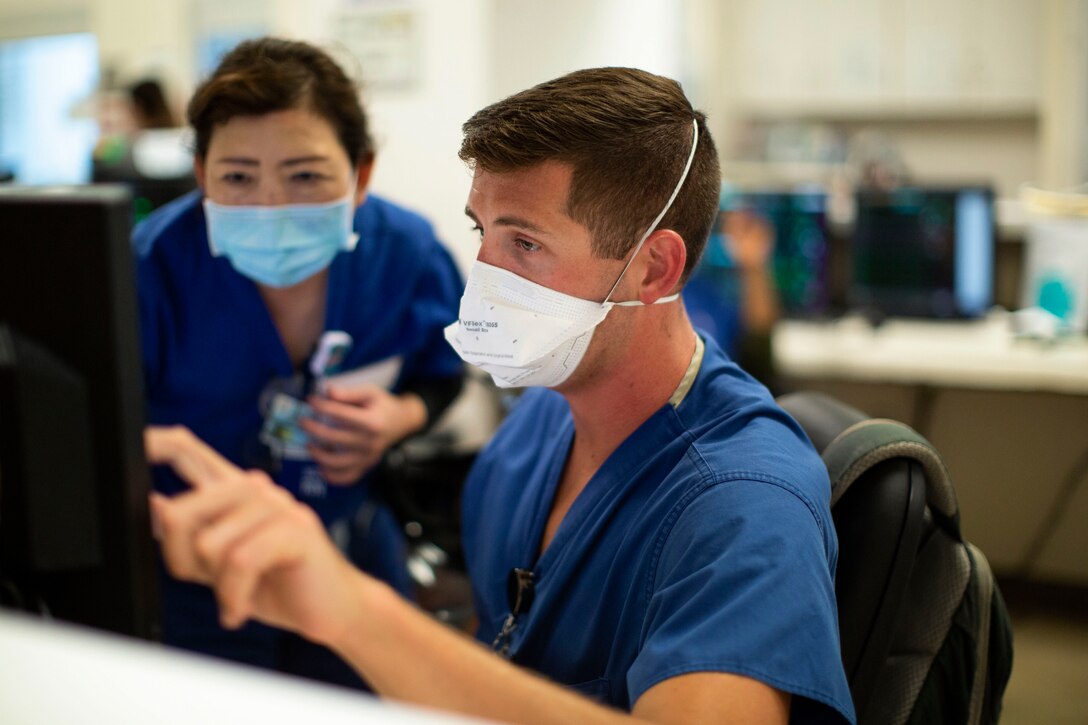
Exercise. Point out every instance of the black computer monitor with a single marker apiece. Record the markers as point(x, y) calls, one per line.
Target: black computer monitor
point(75, 539)
point(923, 251)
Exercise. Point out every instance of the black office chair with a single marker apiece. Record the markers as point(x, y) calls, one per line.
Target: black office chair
point(905, 574)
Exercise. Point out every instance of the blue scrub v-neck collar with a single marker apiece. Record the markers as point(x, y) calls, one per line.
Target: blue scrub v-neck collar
point(271, 335)
point(610, 480)
point(566, 437)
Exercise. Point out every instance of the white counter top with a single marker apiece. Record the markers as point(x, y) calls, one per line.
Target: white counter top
point(969, 354)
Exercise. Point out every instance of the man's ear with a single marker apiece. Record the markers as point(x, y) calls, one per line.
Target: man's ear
point(665, 256)
point(362, 179)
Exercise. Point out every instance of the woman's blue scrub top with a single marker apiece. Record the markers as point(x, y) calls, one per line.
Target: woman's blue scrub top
point(211, 351)
point(210, 347)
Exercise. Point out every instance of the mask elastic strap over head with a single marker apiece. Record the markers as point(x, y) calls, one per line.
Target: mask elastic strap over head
point(653, 226)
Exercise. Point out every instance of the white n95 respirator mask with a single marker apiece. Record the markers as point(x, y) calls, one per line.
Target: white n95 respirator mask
point(522, 333)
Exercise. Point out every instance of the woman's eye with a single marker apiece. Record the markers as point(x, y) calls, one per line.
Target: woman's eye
point(235, 178)
point(306, 177)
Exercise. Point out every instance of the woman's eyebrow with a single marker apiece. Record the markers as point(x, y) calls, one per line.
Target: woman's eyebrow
point(243, 160)
point(303, 160)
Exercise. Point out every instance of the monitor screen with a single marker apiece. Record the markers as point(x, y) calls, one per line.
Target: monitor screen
point(923, 252)
point(801, 248)
point(75, 539)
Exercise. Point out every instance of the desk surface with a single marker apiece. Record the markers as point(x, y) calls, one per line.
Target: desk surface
point(980, 354)
point(57, 673)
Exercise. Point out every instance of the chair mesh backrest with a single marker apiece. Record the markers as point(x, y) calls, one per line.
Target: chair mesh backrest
point(945, 572)
point(941, 568)
point(940, 576)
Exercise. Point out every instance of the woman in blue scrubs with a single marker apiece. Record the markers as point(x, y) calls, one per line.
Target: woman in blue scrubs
point(291, 319)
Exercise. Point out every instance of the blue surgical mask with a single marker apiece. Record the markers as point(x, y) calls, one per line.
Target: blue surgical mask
point(280, 246)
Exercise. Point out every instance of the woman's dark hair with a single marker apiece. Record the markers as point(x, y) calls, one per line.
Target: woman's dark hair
point(150, 104)
point(265, 75)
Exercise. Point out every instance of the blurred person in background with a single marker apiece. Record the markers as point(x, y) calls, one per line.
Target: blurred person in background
point(146, 149)
point(732, 295)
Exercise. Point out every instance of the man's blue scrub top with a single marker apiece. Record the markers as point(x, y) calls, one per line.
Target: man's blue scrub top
point(703, 543)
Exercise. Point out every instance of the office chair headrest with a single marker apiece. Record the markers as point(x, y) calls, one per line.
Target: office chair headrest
point(868, 442)
point(850, 442)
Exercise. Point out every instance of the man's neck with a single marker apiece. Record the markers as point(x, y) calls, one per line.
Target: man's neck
point(647, 370)
point(610, 406)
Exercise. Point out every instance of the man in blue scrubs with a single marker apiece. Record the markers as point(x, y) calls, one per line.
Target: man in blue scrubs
point(647, 531)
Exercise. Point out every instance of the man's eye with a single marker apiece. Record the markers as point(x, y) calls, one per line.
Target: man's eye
point(235, 178)
point(479, 231)
point(305, 177)
point(526, 245)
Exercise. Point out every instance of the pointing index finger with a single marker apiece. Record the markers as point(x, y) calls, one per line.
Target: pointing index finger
point(191, 458)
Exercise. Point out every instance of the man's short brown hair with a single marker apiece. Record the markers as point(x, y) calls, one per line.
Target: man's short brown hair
point(627, 134)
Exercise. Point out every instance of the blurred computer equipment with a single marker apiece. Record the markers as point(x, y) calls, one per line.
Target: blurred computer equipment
point(75, 533)
point(800, 261)
point(769, 257)
point(1055, 276)
point(922, 251)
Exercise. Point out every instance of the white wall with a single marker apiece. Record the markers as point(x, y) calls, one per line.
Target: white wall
point(1064, 129)
point(475, 52)
point(967, 89)
point(536, 41)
